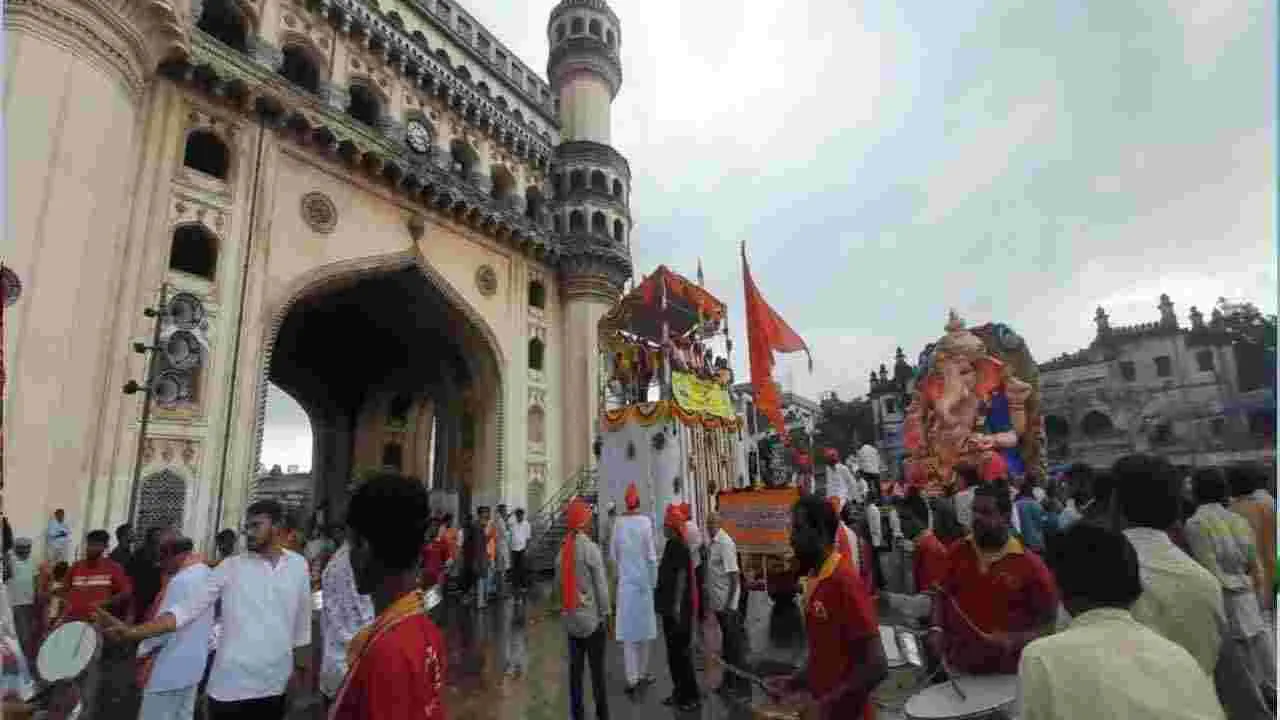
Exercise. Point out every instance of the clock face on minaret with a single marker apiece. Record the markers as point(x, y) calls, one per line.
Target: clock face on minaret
point(417, 136)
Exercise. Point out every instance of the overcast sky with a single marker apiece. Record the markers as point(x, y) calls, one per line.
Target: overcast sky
point(1021, 162)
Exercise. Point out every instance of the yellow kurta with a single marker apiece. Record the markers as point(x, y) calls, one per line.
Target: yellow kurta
point(1108, 665)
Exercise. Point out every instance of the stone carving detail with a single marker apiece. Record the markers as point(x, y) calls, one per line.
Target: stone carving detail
point(487, 280)
point(319, 212)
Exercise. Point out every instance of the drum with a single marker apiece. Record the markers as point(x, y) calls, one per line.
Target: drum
point(775, 711)
point(987, 697)
point(904, 673)
point(68, 651)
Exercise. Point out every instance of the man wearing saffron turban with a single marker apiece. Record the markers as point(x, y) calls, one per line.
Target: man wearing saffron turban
point(635, 559)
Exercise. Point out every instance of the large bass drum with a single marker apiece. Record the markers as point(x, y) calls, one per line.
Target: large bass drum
point(986, 697)
point(68, 651)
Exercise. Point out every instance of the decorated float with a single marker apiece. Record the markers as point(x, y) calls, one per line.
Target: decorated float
point(668, 424)
point(976, 402)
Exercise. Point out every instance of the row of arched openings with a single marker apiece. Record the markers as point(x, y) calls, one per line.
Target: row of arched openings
point(594, 28)
point(1094, 424)
point(599, 225)
point(581, 180)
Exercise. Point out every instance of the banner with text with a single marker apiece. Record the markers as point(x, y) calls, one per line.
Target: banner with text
point(759, 520)
point(694, 394)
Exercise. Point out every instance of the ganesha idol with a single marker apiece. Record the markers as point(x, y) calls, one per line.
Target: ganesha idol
point(975, 403)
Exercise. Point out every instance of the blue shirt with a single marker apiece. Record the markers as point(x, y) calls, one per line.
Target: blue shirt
point(181, 655)
point(1032, 517)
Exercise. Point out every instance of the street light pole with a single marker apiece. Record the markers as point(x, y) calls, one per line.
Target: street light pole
point(132, 387)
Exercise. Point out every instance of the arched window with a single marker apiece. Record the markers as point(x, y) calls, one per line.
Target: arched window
point(1095, 424)
point(617, 189)
point(557, 186)
point(536, 351)
point(556, 223)
point(462, 72)
point(1056, 427)
point(464, 158)
point(300, 68)
point(444, 58)
point(398, 412)
point(618, 230)
point(599, 223)
point(537, 294)
point(194, 250)
point(593, 27)
point(575, 27)
point(577, 222)
point(537, 426)
point(161, 501)
point(609, 39)
point(483, 87)
point(392, 456)
point(519, 116)
point(207, 153)
point(364, 105)
point(559, 32)
point(225, 21)
point(533, 203)
point(394, 18)
point(577, 180)
point(502, 102)
point(598, 182)
point(503, 184)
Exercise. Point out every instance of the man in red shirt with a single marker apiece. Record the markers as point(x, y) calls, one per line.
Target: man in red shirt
point(397, 664)
point(97, 581)
point(435, 556)
point(996, 595)
point(929, 561)
point(846, 660)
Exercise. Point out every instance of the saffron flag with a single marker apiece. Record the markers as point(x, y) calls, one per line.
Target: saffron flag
point(767, 333)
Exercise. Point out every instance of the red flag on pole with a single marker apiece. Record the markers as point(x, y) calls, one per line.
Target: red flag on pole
point(767, 333)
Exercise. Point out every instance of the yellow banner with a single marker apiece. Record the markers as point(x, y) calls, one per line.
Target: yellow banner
point(702, 396)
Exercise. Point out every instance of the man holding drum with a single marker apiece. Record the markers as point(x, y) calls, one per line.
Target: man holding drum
point(996, 596)
point(846, 659)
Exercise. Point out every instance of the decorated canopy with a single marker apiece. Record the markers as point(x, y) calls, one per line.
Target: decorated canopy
point(642, 312)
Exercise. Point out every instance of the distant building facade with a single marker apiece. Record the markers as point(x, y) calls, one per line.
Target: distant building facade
point(889, 397)
point(294, 490)
point(798, 413)
point(1198, 395)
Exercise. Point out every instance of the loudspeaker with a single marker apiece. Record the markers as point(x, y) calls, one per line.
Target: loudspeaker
point(186, 311)
point(183, 350)
point(169, 387)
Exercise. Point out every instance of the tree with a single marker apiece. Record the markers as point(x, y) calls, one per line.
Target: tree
point(844, 424)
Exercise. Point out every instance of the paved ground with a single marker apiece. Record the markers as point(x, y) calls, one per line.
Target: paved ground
point(509, 662)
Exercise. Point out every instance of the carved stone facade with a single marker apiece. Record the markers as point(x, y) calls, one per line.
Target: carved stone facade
point(1199, 395)
point(305, 148)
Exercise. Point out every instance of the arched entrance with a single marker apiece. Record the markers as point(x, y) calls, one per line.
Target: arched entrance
point(394, 371)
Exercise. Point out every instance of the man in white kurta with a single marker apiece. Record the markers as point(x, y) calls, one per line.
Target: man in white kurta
point(635, 558)
point(840, 482)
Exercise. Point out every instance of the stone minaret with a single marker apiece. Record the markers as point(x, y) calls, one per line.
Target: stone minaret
point(591, 184)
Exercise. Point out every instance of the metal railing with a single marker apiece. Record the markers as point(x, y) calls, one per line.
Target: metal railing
point(545, 519)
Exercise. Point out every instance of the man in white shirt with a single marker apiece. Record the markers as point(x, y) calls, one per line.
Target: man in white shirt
point(345, 613)
point(58, 538)
point(521, 531)
point(1106, 664)
point(1180, 600)
point(858, 489)
point(635, 556)
point(968, 476)
point(723, 593)
point(177, 660)
point(839, 479)
point(266, 621)
point(22, 596)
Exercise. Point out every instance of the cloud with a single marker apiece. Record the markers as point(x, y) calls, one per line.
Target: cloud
point(1020, 162)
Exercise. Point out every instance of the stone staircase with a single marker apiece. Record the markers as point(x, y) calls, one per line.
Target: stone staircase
point(548, 522)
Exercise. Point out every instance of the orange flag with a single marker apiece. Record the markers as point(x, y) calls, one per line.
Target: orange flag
point(767, 333)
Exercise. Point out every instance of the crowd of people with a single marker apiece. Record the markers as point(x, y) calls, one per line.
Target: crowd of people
point(1133, 592)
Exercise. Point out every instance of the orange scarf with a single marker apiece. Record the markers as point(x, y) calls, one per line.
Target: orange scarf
point(147, 664)
point(408, 606)
point(828, 569)
point(578, 515)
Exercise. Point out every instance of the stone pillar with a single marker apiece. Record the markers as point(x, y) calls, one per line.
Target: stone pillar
point(78, 74)
point(591, 283)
